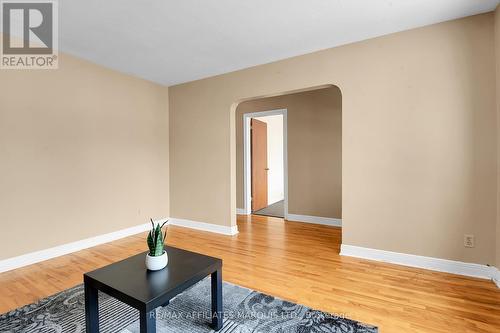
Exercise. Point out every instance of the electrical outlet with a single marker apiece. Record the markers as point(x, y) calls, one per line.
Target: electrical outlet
point(469, 240)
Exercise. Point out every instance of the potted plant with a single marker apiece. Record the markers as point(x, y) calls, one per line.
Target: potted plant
point(156, 258)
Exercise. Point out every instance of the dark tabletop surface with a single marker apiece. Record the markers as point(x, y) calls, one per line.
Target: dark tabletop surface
point(130, 276)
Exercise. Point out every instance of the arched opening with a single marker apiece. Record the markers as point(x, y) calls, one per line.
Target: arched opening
point(312, 158)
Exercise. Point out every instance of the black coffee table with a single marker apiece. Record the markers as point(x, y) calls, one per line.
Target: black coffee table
point(130, 282)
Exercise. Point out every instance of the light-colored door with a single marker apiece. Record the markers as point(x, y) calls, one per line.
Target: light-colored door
point(259, 164)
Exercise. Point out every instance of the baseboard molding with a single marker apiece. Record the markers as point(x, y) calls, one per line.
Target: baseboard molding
point(56, 251)
point(434, 264)
point(53, 252)
point(495, 276)
point(219, 229)
point(315, 219)
point(241, 211)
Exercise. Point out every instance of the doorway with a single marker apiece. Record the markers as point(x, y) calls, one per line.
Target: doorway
point(312, 154)
point(265, 163)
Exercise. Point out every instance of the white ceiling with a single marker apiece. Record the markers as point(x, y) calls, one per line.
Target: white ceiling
point(175, 41)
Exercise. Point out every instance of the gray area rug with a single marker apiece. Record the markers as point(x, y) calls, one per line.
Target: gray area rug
point(276, 209)
point(245, 311)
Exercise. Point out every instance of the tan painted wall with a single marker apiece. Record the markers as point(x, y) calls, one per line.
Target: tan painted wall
point(314, 150)
point(419, 133)
point(497, 58)
point(83, 152)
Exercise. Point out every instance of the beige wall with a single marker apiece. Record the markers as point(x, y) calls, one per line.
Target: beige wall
point(314, 149)
point(83, 152)
point(419, 133)
point(497, 58)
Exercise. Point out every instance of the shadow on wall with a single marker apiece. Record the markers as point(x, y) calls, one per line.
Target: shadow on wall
point(314, 149)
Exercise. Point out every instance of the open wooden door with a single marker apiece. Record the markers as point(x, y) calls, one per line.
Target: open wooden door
point(259, 164)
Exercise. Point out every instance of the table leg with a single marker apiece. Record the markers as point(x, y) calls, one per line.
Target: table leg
point(217, 300)
point(148, 321)
point(91, 309)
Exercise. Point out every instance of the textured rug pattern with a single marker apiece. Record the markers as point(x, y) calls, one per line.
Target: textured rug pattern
point(245, 310)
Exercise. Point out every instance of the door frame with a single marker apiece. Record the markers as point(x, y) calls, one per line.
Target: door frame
point(247, 168)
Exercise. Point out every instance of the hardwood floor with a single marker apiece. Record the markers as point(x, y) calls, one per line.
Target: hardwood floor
point(298, 262)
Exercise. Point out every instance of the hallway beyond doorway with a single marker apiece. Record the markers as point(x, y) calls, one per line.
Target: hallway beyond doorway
point(276, 209)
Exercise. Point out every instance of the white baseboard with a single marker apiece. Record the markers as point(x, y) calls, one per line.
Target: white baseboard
point(315, 219)
point(241, 211)
point(495, 276)
point(219, 229)
point(434, 264)
point(56, 251)
point(42, 255)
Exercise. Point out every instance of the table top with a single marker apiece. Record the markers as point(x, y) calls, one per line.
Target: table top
point(129, 280)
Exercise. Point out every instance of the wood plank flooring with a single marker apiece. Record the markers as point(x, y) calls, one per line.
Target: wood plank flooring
point(297, 262)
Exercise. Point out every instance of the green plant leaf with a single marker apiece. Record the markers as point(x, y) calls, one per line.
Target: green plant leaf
point(156, 239)
point(159, 245)
point(151, 245)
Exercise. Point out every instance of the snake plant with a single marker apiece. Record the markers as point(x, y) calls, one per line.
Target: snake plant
point(156, 239)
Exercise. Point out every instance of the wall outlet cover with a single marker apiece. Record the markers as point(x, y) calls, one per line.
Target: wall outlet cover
point(469, 240)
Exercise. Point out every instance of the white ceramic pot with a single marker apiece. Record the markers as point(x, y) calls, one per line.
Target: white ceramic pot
point(156, 263)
